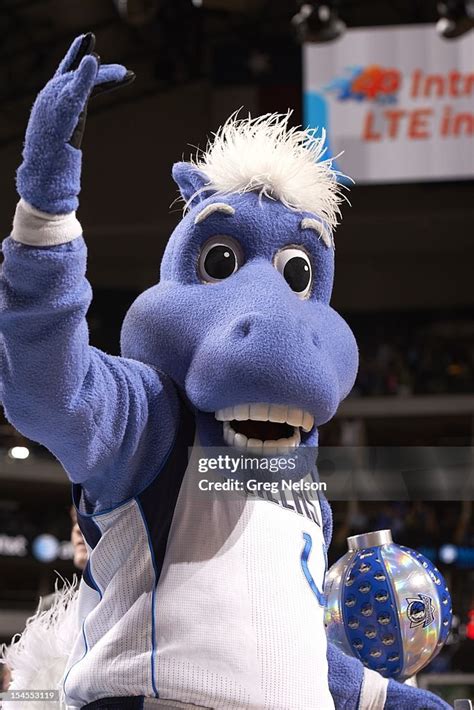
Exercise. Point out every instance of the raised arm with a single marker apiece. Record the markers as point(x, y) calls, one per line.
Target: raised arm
point(95, 412)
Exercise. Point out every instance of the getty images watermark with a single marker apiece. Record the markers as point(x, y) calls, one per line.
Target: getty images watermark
point(358, 473)
point(232, 468)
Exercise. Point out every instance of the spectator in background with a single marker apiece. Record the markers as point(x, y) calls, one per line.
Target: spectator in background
point(5, 677)
point(79, 556)
point(80, 549)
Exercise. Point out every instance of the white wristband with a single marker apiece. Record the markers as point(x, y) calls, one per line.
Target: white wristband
point(373, 692)
point(40, 229)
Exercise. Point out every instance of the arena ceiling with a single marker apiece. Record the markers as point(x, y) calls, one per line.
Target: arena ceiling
point(175, 41)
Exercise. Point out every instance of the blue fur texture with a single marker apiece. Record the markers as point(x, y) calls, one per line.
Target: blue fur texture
point(249, 338)
point(50, 175)
point(404, 697)
point(345, 679)
point(110, 421)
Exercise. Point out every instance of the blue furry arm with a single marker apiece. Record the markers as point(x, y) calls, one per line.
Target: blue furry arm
point(345, 679)
point(105, 418)
point(110, 421)
point(354, 687)
point(326, 515)
point(404, 697)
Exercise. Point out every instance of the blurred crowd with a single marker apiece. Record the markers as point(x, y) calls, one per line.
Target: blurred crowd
point(413, 523)
point(410, 356)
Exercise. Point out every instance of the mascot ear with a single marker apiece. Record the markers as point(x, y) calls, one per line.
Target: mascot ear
point(189, 180)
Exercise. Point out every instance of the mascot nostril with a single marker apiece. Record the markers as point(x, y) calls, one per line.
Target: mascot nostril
point(243, 328)
point(174, 603)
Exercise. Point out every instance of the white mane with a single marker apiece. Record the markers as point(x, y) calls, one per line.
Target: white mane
point(37, 658)
point(264, 155)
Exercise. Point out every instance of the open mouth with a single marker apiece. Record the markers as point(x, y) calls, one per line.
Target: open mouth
point(264, 428)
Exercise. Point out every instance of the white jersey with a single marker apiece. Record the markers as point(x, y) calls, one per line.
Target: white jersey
point(216, 608)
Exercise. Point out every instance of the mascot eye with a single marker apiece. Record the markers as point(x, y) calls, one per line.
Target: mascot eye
point(220, 257)
point(294, 265)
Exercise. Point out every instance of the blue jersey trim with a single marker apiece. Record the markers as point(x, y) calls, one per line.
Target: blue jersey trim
point(304, 565)
point(155, 569)
point(88, 578)
point(89, 528)
point(83, 630)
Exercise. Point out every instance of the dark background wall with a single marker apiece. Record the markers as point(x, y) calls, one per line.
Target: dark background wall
point(404, 246)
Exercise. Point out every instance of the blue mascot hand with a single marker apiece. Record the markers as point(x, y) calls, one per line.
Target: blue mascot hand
point(49, 177)
point(405, 697)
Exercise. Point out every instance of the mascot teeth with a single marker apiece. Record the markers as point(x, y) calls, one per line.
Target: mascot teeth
point(261, 428)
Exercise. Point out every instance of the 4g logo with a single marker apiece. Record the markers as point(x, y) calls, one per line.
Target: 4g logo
point(377, 84)
point(373, 83)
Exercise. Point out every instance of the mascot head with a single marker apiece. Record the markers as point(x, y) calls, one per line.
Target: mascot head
point(240, 319)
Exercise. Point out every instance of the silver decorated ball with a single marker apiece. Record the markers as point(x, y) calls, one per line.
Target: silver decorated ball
point(387, 605)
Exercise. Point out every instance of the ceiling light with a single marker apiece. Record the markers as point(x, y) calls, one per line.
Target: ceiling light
point(456, 17)
point(318, 22)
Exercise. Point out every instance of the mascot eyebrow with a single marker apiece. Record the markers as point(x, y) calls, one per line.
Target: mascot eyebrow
point(318, 227)
point(214, 207)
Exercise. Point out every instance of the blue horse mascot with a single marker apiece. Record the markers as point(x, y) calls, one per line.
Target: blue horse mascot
point(192, 597)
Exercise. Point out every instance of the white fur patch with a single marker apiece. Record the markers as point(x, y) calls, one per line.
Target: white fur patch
point(266, 156)
point(38, 657)
point(316, 226)
point(214, 207)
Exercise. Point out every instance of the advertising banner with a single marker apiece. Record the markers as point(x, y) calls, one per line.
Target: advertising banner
point(398, 101)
